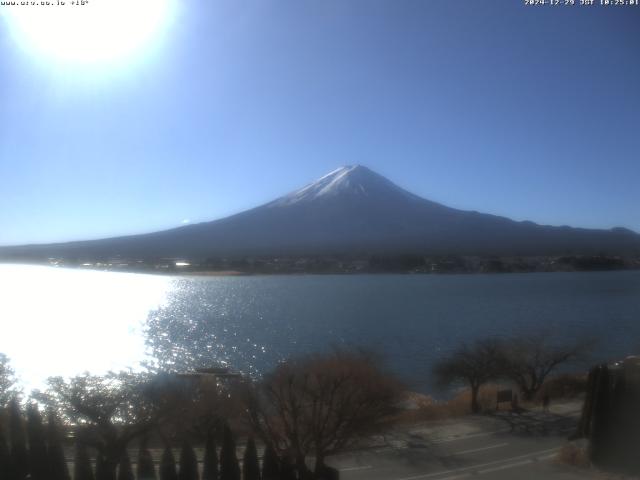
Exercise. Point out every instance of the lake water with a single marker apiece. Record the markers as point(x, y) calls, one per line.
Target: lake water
point(62, 322)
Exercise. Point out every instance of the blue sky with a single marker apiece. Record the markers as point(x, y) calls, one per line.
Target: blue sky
point(527, 112)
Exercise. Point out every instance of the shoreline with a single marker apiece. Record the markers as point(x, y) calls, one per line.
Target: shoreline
point(180, 272)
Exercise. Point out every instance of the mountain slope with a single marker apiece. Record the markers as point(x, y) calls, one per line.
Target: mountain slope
point(352, 210)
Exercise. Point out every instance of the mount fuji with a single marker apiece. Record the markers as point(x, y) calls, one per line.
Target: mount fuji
point(350, 211)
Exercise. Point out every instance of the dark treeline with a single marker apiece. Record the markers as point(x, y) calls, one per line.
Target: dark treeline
point(149, 426)
point(350, 263)
point(34, 449)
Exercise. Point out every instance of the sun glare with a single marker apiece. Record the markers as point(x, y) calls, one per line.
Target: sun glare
point(96, 31)
point(85, 320)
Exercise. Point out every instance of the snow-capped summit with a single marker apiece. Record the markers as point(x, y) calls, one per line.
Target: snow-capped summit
point(351, 210)
point(348, 181)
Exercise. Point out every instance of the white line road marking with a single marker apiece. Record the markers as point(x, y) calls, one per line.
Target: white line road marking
point(352, 469)
point(473, 435)
point(456, 477)
point(463, 452)
point(471, 468)
point(511, 465)
point(440, 442)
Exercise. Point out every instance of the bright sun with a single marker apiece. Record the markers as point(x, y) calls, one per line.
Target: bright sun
point(97, 31)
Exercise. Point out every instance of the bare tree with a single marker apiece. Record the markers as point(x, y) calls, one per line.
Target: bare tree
point(195, 406)
point(109, 411)
point(321, 404)
point(474, 365)
point(529, 360)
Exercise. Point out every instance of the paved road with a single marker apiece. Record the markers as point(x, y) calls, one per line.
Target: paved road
point(503, 446)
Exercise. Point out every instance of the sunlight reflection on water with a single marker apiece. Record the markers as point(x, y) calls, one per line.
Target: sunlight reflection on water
point(64, 322)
